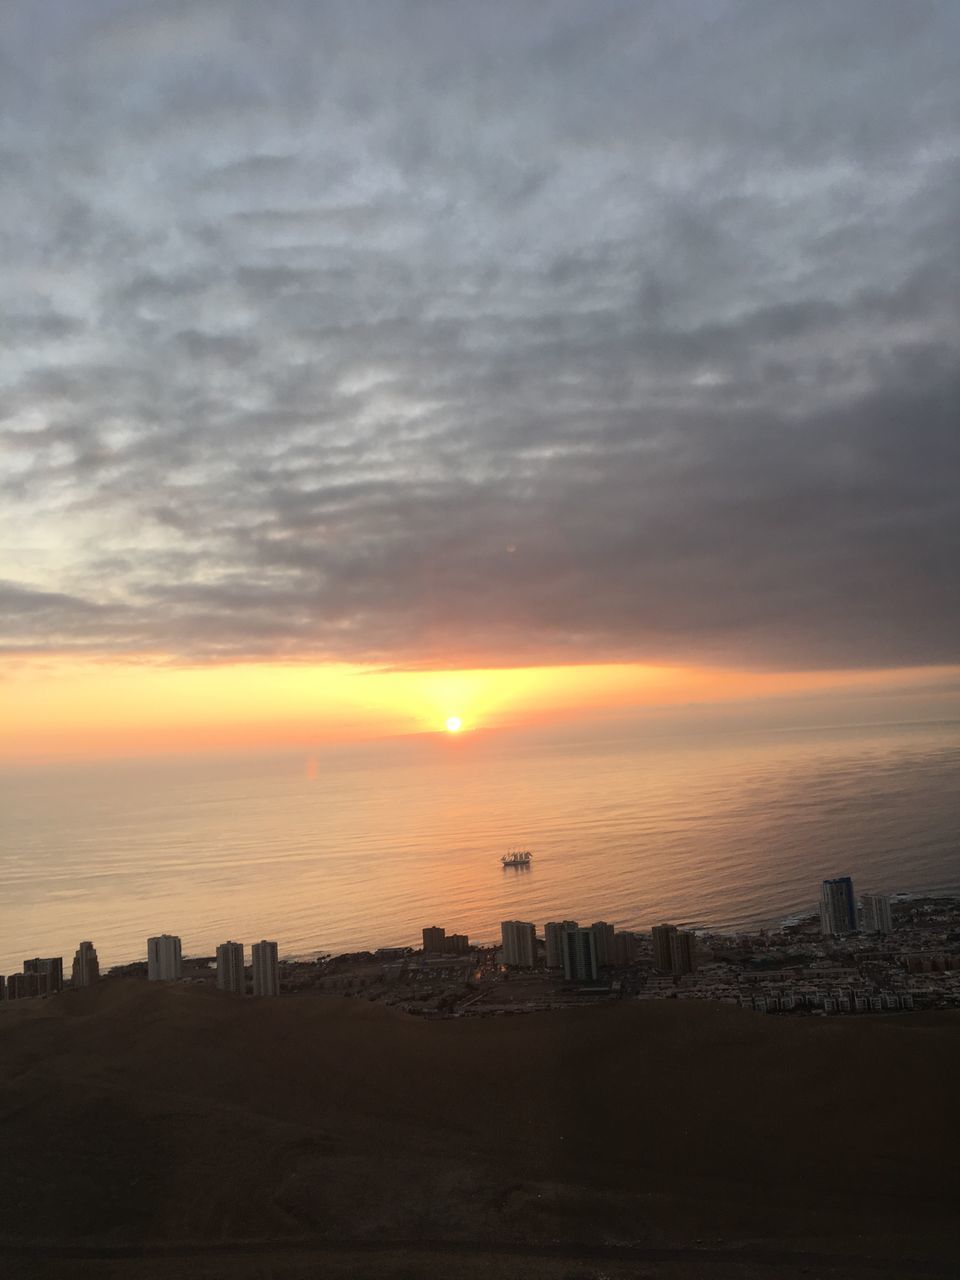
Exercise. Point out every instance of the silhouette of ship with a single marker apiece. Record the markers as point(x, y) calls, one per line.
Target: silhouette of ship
point(517, 858)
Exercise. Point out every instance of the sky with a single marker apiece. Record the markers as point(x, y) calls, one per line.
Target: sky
point(368, 363)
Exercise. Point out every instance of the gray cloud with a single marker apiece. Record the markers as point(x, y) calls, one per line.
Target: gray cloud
point(409, 333)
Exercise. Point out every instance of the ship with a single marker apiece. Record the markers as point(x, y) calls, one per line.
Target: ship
point(517, 858)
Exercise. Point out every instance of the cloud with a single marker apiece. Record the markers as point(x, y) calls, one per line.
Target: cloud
point(477, 334)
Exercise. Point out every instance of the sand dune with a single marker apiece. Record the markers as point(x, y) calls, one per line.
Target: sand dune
point(149, 1118)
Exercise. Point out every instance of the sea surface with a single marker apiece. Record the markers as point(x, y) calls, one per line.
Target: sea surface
point(353, 847)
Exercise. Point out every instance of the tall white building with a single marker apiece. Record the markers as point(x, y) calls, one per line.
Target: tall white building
point(230, 974)
point(876, 917)
point(553, 933)
point(519, 943)
point(164, 963)
point(86, 966)
point(266, 969)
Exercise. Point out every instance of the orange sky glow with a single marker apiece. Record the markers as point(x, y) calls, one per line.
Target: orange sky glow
point(63, 708)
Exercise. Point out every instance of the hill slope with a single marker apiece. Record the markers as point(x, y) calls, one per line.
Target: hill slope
point(144, 1115)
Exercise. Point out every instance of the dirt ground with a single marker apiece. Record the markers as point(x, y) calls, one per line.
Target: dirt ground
point(155, 1131)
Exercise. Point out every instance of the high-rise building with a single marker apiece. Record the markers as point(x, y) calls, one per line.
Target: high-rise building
point(230, 971)
point(876, 914)
point(519, 943)
point(579, 955)
point(603, 939)
point(434, 940)
point(164, 960)
point(683, 955)
point(674, 950)
point(838, 907)
point(266, 969)
point(553, 933)
point(3, 987)
point(16, 986)
point(457, 944)
point(625, 948)
point(86, 966)
point(53, 968)
point(662, 958)
point(48, 975)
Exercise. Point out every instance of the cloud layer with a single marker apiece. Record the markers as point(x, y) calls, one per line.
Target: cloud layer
point(470, 334)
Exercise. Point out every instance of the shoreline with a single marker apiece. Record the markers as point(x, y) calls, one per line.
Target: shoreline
point(771, 924)
point(775, 924)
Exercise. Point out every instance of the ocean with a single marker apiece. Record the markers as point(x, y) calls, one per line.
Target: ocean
point(357, 846)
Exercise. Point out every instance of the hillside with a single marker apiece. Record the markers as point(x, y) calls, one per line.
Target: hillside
point(151, 1130)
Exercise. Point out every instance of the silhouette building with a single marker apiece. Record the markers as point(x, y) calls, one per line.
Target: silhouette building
point(662, 933)
point(16, 986)
point(434, 940)
point(876, 916)
point(553, 934)
point(579, 955)
point(266, 969)
point(230, 971)
point(519, 943)
point(86, 966)
point(625, 948)
point(164, 959)
point(838, 907)
point(603, 940)
point(683, 957)
point(44, 976)
point(674, 950)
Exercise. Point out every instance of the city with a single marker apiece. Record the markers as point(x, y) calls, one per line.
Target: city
point(881, 955)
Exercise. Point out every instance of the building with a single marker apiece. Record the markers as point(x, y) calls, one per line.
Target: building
point(266, 969)
point(47, 975)
point(674, 950)
point(683, 951)
point(438, 942)
point(838, 907)
point(3, 987)
point(16, 986)
point(603, 941)
point(662, 959)
point(579, 955)
point(164, 959)
point(230, 972)
point(553, 933)
point(519, 943)
point(86, 966)
point(876, 916)
point(626, 946)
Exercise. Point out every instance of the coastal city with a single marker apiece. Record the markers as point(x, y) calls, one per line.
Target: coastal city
point(877, 954)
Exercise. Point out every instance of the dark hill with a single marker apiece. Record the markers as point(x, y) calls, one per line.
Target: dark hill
point(144, 1122)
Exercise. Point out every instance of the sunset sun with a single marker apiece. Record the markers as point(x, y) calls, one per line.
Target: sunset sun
point(454, 724)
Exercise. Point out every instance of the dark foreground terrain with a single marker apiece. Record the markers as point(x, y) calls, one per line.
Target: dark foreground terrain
point(157, 1131)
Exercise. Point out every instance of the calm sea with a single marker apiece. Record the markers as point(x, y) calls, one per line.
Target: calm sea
point(354, 847)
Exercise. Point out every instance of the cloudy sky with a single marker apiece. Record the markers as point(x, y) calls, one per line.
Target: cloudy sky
point(455, 334)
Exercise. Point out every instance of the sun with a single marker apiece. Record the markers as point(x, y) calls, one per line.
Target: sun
point(454, 724)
